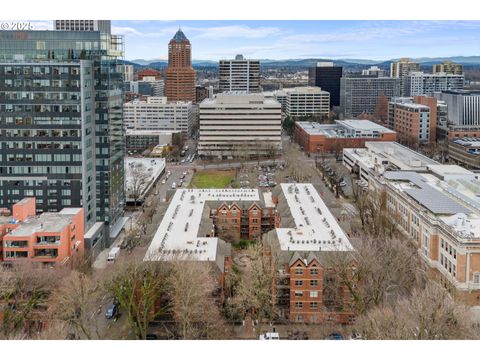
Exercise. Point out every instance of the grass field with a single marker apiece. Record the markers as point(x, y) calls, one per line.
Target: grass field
point(212, 179)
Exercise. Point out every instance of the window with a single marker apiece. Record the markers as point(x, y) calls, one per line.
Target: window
point(476, 278)
point(298, 293)
point(298, 282)
point(299, 305)
point(313, 294)
point(313, 271)
point(298, 271)
point(313, 305)
point(313, 282)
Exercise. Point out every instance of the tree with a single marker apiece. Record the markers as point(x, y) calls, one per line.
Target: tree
point(254, 291)
point(381, 108)
point(380, 268)
point(138, 175)
point(73, 303)
point(193, 303)
point(24, 293)
point(429, 313)
point(140, 288)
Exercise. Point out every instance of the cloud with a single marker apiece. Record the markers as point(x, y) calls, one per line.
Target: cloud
point(236, 31)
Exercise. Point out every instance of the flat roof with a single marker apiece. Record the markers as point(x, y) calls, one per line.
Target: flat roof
point(400, 155)
point(467, 142)
point(316, 229)
point(153, 167)
point(178, 233)
point(46, 222)
point(343, 128)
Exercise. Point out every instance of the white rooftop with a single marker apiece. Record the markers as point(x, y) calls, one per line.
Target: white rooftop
point(316, 229)
point(363, 125)
point(153, 167)
point(178, 235)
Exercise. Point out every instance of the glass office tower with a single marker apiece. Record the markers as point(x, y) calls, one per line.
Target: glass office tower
point(61, 121)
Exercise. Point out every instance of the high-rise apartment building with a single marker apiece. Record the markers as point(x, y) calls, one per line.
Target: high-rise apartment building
point(304, 101)
point(155, 113)
point(104, 26)
point(127, 71)
point(61, 123)
point(448, 67)
point(239, 125)
point(359, 93)
point(327, 77)
point(180, 76)
point(419, 83)
point(401, 69)
point(239, 74)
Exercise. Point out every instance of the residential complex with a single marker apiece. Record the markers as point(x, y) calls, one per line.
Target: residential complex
point(156, 113)
point(436, 207)
point(239, 124)
point(305, 101)
point(179, 75)
point(448, 67)
point(419, 83)
point(61, 125)
point(51, 238)
point(296, 227)
point(127, 71)
point(319, 138)
point(327, 76)
point(400, 70)
point(463, 107)
point(239, 74)
point(359, 93)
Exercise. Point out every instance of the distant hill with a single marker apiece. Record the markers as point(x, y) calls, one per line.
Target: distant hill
point(349, 64)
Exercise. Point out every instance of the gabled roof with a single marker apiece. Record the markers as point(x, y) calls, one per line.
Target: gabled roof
point(295, 257)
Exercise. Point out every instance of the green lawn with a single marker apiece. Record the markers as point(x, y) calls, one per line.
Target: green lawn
point(212, 179)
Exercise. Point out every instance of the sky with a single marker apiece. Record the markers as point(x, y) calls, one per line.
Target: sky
point(274, 39)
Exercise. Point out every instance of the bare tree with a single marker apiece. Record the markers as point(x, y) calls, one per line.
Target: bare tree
point(428, 314)
point(379, 269)
point(74, 302)
point(24, 293)
point(192, 288)
point(138, 175)
point(139, 288)
point(254, 293)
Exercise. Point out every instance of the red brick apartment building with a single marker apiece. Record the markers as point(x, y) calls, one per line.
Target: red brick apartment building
point(148, 73)
point(249, 220)
point(48, 239)
point(327, 138)
point(415, 119)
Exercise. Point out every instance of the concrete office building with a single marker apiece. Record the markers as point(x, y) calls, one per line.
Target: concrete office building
point(179, 75)
point(104, 26)
point(61, 132)
point(146, 87)
point(463, 107)
point(375, 71)
point(327, 76)
point(305, 101)
point(359, 93)
point(419, 83)
point(139, 140)
point(236, 124)
point(448, 67)
point(156, 113)
point(400, 70)
point(239, 74)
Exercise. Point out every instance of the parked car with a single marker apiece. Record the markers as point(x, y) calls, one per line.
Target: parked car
point(334, 336)
point(164, 181)
point(112, 311)
point(343, 183)
point(174, 186)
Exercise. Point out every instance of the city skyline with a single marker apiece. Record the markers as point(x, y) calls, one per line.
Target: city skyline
point(273, 39)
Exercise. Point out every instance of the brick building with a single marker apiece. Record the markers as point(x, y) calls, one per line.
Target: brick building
point(49, 238)
point(319, 138)
point(180, 76)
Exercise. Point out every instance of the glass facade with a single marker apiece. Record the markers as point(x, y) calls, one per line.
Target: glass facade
point(61, 121)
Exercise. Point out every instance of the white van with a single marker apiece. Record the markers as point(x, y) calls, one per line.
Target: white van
point(113, 254)
point(174, 186)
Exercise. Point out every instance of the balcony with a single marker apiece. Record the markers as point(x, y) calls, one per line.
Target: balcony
point(46, 253)
point(48, 240)
point(15, 244)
